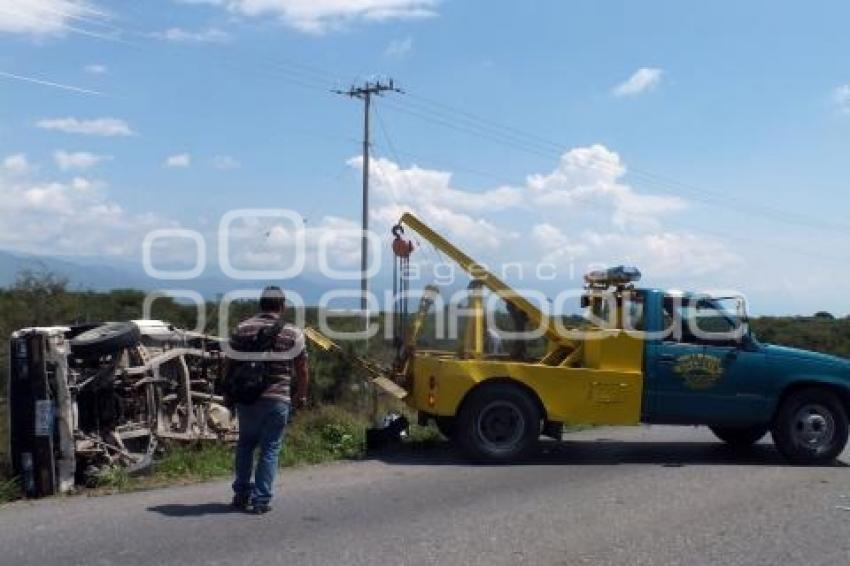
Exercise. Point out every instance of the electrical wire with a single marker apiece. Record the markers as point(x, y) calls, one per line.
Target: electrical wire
point(460, 120)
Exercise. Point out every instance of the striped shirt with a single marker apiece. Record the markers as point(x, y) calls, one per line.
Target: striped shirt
point(289, 342)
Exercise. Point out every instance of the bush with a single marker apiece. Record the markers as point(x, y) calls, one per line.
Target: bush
point(10, 490)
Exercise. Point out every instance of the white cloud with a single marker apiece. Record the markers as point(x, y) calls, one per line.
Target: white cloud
point(643, 80)
point(427, 186)
point(16, 164)
point(399, 48)
point(43, 17)
point(178, 160)
point(96, 69)
point(180, 35)
point(429, 193)
point(580, 213)
point(659, 254)
point(587, 180)
point(841, 97)
point(96, 127)
point(554, 244)
point(225, 163)
point(78, 160)
point(73, 216)
point(319, 16)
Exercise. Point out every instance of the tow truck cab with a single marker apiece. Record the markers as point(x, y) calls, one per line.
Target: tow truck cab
point(703, 365)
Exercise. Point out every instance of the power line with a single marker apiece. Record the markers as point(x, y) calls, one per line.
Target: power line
point(690, 228)
point(726, 202)
point(49, 83)
point(65, 27)
point(313, 77)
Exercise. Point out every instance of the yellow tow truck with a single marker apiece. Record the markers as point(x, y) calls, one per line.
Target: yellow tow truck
point(659, 357)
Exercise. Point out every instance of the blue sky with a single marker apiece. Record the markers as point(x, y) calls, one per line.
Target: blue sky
point(706, 143)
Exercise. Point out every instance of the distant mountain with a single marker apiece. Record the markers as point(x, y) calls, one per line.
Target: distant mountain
point(99, 274)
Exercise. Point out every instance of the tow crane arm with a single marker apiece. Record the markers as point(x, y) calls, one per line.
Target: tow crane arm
point(536, 317)
point(374, 373)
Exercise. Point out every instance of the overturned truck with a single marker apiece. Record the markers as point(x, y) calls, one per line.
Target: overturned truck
point(87, 399)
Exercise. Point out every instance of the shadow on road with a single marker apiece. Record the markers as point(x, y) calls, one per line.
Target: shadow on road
point(603, 451)
point(195, 510)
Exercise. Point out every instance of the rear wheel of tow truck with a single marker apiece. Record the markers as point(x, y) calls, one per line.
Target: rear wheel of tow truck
point(740, 437)
point(810, 427)
point(498, 423)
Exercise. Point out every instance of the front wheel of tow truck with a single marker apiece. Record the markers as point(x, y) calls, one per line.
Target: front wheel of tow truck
point(499, 423)
point(810, 427)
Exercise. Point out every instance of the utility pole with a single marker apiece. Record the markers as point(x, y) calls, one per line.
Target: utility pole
point(365, 93)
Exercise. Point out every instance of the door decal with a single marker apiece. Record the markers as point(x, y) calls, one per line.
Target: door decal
point(700, 371)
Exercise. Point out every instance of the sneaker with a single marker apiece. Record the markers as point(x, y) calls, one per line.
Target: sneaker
point(260, 508)
point(242, 502)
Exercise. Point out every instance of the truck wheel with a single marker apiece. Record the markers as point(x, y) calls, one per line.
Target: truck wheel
point(498, 423)
point(107, 338)
point(810, 427)
point(446, 426)
point(739, 437)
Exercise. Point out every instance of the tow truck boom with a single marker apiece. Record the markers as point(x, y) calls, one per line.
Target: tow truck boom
point(536, 317)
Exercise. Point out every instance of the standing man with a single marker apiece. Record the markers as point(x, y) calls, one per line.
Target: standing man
point(262, 423)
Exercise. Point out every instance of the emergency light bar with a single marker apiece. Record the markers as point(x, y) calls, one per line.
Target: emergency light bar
point(614, 276)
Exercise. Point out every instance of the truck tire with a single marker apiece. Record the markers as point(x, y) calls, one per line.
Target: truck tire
point(499, 423)
point(446, 426)
point(105, 339)
point(810, 427)
point(740, 437)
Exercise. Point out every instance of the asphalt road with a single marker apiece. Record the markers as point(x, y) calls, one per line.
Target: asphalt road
point(649, 495)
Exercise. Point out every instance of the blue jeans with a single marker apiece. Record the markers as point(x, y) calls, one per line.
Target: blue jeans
point(261, 424)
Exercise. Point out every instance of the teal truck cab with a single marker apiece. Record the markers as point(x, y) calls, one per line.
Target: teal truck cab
point(703, 366)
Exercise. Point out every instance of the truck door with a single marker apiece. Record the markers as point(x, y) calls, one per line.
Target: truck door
point(700, 372)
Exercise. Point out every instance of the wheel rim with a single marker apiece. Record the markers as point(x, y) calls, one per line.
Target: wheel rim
point(814, 427)
point(500, 426)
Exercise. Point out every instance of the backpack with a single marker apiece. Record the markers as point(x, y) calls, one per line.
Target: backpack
point(246, 380)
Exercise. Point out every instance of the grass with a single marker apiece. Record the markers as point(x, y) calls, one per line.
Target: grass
point(320, 435)
point(10, 490)
point(325, 434)
point(9, 487)
point(424, 436)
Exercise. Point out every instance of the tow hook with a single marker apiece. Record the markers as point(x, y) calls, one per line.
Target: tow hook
point(392, 431)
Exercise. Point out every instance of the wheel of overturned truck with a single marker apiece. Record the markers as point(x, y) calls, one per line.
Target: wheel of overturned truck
point(739, 437)
point(104, 339)
point(498, 423)
point(810, 427)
